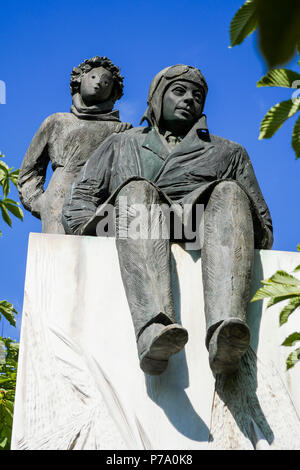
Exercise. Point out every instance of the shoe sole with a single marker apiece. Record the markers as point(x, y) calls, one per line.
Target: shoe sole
point(228, 344)
point(170, 341)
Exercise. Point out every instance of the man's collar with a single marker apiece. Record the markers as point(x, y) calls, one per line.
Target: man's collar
point(196, 138)
point(199, 133)
point(156, 143)
point(201, 124)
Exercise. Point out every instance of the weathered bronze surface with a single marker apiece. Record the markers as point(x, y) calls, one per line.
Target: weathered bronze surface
point(175, 161)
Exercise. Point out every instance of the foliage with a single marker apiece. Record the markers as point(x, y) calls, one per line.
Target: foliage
point(283, 286)
point(278, 25)
point(244, 23)
point(7, 311)
point(8, 348)
point(8, 372)
point(7, 176)
point(279, 113)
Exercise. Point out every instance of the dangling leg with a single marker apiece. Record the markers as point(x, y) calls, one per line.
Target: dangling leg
point(145, 269)
point(227, 262)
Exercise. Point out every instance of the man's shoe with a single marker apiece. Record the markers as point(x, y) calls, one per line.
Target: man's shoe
point(157, 343)
point(228, 344)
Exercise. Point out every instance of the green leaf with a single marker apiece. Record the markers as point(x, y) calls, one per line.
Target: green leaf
point(293, 358)
point(291, 339)
point(276, 116)
point(8, 311)
point(243, 23)
point(4, 168)
point(297, 268)
point(296, 138)
point(276, 292)
point(288, 309)
point(280, 78)
point(4, 178)
point(280, 286)
point(14, 177)
point(12, 206)
point(5, 185)
point(7, 408)
point(2, 352)
point(4, 380)
point(298, 247)
point(280, 298)
point(279, 26)
point(10, 406)
point(14, 209)
point(11, 201)
point(4, 213)
point(282, 277)
point(3, 441)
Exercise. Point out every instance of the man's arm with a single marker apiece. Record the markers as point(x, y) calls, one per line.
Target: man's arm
point(34, 166)
point(244, 174)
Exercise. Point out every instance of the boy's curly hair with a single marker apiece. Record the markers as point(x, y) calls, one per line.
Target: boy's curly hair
point(94, 62)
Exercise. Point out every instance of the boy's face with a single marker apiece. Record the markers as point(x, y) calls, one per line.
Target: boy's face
point(96, 86)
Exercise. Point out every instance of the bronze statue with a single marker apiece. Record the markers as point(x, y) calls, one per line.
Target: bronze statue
point(68, 139)
point(175, 161)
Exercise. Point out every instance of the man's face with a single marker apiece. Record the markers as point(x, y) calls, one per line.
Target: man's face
point(182, 104)
point(96, 85)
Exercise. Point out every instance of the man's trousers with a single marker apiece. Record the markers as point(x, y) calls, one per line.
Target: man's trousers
point(227, 252)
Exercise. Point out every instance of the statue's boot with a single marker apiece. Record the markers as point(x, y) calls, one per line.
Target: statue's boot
point(145, 270)
point(227, 345)
point(157, 343)
point(227, 263)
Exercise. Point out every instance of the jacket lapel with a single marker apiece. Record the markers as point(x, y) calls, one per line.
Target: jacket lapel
point(194, 144)
point(197, 139)
point(156, 144)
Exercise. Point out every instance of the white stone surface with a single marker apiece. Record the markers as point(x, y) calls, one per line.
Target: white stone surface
point(79, 384)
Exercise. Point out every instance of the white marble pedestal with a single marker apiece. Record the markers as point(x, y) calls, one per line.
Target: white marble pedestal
point(79, 384)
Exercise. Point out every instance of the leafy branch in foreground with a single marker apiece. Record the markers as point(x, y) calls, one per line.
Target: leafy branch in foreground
point(8, 175)
point(282, 111)
point(243, 24)
point(9, 350)
point(278, 26)
point(7, 311)
point(283, 286)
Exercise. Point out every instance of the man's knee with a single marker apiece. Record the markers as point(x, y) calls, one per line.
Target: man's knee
point(230, 191)
point(139, 191)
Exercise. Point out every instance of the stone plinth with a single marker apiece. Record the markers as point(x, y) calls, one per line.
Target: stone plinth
point(79, 384)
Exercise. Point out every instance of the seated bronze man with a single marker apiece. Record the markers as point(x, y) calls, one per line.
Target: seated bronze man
point(68, 139)
point(176, 161)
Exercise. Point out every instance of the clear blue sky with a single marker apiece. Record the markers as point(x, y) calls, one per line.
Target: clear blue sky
point(42, 41)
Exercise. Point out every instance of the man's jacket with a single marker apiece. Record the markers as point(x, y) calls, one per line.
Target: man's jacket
point(184, 175)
